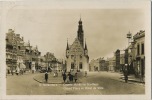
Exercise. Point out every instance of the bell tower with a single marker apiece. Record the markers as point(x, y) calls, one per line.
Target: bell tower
point(80, 34)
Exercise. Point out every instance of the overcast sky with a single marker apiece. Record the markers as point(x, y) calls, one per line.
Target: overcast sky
point(104, 29)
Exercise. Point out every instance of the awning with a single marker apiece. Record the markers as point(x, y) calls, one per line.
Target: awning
point(22, 66)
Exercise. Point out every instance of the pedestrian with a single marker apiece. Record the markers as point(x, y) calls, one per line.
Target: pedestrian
point(76, 77)
point(17, 70)
point(46, 76)
point(72, 78)
point(85, 73)
point(126, 75)
point(68, 79)
point(69, 76)
point(54, 74)
point(64, 77)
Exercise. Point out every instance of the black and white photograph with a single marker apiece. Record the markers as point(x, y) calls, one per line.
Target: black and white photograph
point(75, 50)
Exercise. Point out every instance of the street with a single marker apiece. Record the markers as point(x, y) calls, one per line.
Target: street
point(96, 83)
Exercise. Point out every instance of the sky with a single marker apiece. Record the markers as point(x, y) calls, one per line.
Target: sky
point(104, 29)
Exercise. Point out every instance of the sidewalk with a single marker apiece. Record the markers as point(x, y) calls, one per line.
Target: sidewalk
point(132, 78)
point(26, 73)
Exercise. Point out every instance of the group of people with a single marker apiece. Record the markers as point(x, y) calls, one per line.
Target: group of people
point(66, 78)
point(17, 71)
point(69, 77)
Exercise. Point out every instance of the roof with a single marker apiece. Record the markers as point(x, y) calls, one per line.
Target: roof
point(76, 44)
point(139, 34)
point(26, 44)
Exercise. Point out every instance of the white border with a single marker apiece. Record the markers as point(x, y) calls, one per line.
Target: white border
point(79, 4)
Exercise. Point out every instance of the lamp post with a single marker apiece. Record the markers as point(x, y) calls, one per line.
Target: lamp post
point(133, 55)
point(129, 36)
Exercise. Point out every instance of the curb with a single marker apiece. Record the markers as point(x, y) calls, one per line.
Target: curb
point(45, 82)
point(132, 80)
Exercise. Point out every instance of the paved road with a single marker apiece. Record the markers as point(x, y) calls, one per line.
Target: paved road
point(96, 83)
point(112, 84)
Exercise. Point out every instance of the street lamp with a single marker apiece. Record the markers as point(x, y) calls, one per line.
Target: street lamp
point(129, 36)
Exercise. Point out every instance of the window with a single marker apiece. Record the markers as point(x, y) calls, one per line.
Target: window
point(72, 56)
point(142, 48)
point(80, 65)
point(80, 56)
point(19, 47)
point(72, 65)
point(138, 49)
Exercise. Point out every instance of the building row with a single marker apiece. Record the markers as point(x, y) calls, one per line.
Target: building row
point(133, 56)
point(18, 51)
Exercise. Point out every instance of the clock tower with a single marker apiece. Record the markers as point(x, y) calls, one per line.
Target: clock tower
point(77, 58)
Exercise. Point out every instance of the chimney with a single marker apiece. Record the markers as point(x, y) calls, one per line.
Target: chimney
point(17, 35)
point(22, 38)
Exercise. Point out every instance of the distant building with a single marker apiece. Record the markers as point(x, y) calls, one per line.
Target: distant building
point(28, 53)
point(112, 63)
point(99, 65)
point(122, 61)
point(102, 64)
point(11, 50)
point(51, 61)
point(20, 46)
point(106, 65)
point(117, 55)
point(94, 65)
point(77, 58)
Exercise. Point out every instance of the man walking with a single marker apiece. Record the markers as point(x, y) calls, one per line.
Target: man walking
point(85, 74)
point(76, 77)
point(126, 73)
point(64, 77)
point(46, 77)
point(126, 76)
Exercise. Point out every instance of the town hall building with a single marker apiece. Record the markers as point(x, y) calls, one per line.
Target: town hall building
point(77, 58)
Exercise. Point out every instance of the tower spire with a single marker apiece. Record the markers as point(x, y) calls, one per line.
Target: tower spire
point(67, 48)
point(80, 34)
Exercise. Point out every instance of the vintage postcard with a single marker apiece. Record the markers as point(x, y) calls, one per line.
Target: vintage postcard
point(67, 49)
